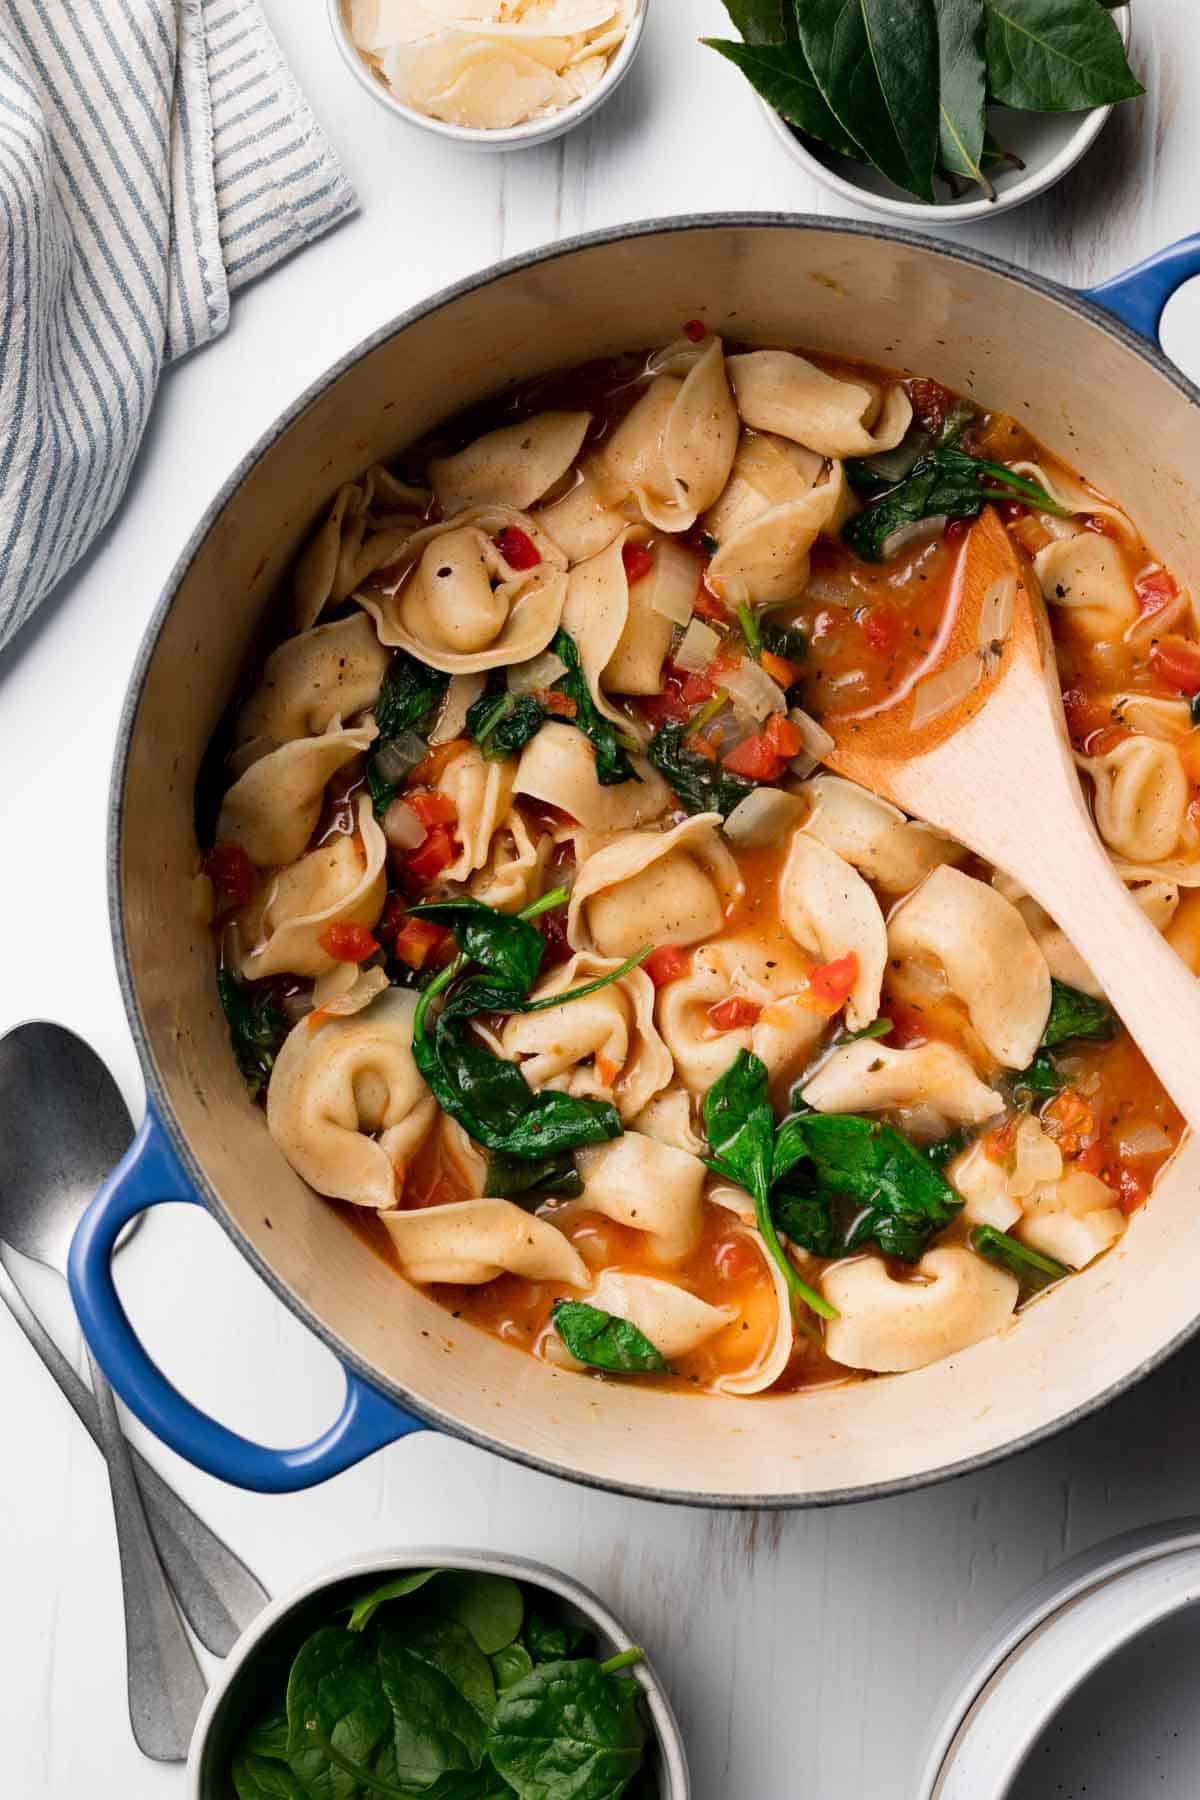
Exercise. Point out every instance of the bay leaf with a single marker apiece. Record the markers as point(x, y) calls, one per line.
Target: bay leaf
point(780, 73)
point(963, 88)
point(1056, 56)
point(876, 63)
point(763, 21)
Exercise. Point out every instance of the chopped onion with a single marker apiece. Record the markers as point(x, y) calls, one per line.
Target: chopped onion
point(942, 692)
point(1145, 1140)
point(921, 531)
point(763, 817)
point(818, 745)
point(462, 693)
point(752, 689)
point(399, 757)
point(697, 647)
point(539, 672)
point(673, 581)
point(996, 613)
point(402, 828)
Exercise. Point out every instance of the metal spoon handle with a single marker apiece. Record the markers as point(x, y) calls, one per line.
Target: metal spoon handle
point(218, 1594)
point(166, 1686)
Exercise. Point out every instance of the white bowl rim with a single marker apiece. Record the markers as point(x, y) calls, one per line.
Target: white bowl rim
point(505, 137)
point(1035, 181)
point(424, 1556)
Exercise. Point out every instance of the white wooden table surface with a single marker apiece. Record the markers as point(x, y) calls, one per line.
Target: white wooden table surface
point(806, 1653)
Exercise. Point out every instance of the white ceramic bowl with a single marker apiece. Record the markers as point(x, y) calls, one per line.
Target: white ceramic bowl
point(509, 137)
point(289, 1619)
point(1049, 144)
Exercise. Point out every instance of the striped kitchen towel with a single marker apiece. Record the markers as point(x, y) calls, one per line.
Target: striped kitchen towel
point(155, 155)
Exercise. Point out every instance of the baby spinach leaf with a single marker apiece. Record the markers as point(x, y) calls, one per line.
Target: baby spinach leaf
point(260, 1764)
point(410, 693)
point(780, 72)
point(1040, 1081)
point(1074, 1014)
point(604, 1341)
point(699, 784)
point(510, 1665)
point(787, 641)
point(945, 481)
point(902, 1199)
point(568, 1731)
point(507, 946)
point(508, 1178)
point(446, 1647)
point(612, 762)
point(257, 1029)
point(876, 63)
point(963, 85)
point(943, 1153)
point(399, 1588)
point(502, 723)
point(489, 1606)
point(1032, 1269)
point(551, 1641)
point(340, 1721)
point(1056, 56)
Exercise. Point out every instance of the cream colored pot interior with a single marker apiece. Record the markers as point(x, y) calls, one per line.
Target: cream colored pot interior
point(1109, 412)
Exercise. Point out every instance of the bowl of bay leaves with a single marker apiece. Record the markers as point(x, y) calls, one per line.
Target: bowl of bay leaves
point(951, 110)
point(441, 1673)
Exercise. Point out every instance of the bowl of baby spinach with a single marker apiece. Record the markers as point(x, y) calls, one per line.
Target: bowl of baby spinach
point(437, 1675)
point(946, 110)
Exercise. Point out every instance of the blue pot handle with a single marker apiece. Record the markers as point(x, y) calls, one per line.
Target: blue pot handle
point(1139, 296)
point(148, 1175)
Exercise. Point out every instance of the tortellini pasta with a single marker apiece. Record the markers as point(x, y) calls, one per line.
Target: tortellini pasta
point(622, 641)
point(367, 527)
point(675, 1321)
point(463, 605)
point(342, 882)
point(829, 909)
point(888, 1326)
point(649, 1186)
point(511, 467)
point(271, 810)
point(892, 851)
point(1141, 796)
point(989, 956)
point(346, 1104)
point(559, 767)
point(765, 560)
point(675, 449)
point(481, 794)
point(470, 1242)
point(1072, 1219)
point(603, 1044)
point(772, 976)
point(328, 673)
point(780, 392)
point(870, 1077)
point(644, 888)
point(1086, 574)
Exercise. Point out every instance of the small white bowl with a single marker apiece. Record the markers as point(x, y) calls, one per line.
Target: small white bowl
point(280, 1625)
point(508, 137)
point(1049, 144)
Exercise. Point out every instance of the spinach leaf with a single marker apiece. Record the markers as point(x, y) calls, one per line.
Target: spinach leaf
point(781, 74)
point(510, 1665)
point(1074, 1014)
point(490, 1607)
point(502, 723)
point(945, 481)
point(529, 1183)
point(410, 693)
point(1040, 1081)
point(260, 1766)
point(963, 85)
point(569, 1731)
point(1032, 1269)
point(257, 1029)
point(340, 1721)
point(876, 63)
point(902, 1199)
point(946, 1149)
point(447, 1648)
point(740, 1126)
point(507, 946)
point(368, 1604)
point(699, 784)
point(612, 762)
point(1056, 56)
point(547, 1641)
point(787, 641)
point(604, 1341)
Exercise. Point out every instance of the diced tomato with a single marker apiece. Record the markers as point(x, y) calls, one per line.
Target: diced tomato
point(1085, 716)
point(391, 919)
point(418, 941)
point(734, 1258)
point(435, 854)
point(666, 964)
point(829, 986)
point(779, 668)
point(1092, 1160)
point(1069, 1120)
point(553, 927)
point(734, 1013)
point(764, 757)
point(348, 943)
point(1155, 589)
point(708, 605)
point(930, 403)
point(232, 874)
point(638, 560)
point(908, 1025)
point(517, 548)
point(882, 626)
point(1131, 1190)
point(431, 809)
point(561, 705)
point(695, 329)
point(698, 687)
point(998, 1143)
point(1177, 663)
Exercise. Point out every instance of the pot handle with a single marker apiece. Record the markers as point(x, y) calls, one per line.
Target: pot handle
point(1139, 296)
point(148, 1175)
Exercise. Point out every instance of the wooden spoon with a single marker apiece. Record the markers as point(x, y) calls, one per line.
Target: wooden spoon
point(976, 743)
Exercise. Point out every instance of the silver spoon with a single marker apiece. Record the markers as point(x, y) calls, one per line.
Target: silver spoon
point(63, 1128)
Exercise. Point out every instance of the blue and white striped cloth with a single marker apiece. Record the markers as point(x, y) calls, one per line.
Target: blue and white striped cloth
point(155, 155)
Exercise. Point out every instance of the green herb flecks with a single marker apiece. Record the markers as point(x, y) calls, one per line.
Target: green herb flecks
point(604, 1341)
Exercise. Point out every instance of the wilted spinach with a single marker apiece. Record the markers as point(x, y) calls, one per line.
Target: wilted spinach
point(946, 482)
point(407, 701)
point(1074, 1014)
point(257, 1029)
point(529, 1183)
point(612, 759)
point(1032, 1269)
point(604, 1341)
point(850, 1181)
point(698, 782)
point(502, 723)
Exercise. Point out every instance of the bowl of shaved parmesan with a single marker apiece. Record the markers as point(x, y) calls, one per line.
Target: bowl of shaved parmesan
point(496, 74)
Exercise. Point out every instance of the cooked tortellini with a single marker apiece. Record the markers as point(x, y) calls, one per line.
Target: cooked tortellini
point(552, 935)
